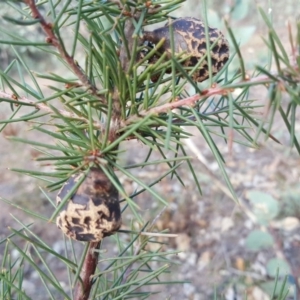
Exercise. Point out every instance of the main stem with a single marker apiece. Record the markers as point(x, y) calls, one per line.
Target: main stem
point(83, 287)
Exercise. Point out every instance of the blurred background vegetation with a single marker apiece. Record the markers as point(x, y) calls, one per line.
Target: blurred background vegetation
point(233, 249)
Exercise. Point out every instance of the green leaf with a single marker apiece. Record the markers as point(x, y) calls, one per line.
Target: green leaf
point(265, 207)
point(258, 240)
point(13, 287)
point(272, 290)
point(279, 265)
point(241, 9)
point(244, 34)
point(21, 22)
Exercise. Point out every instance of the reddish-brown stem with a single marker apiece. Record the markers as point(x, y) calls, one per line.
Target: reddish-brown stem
point(125, 51)
point(83, 287)
point(189, 101)
point(53, 40)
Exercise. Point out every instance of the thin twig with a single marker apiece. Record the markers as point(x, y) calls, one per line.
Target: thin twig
point(44, 107)
point(189, 101)
point(125, 52)
point(53, 40)
point(158, 234)
point(126, 48)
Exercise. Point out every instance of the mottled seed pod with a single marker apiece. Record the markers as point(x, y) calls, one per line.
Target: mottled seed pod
point(189, 37)
point(93, 211)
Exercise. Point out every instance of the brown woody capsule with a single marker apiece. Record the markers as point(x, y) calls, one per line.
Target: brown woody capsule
point(189, 37)
point(93, 211)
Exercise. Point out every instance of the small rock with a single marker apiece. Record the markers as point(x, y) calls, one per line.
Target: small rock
point(259, 268)
point(59, 247)
point(197, 297)
point(35, 276)
point(288, 224)
point(230, 294)
point(257, 293)
point(240, 264)
point(191, 259)
point(226, 224)
point(28, 286)
point(15, 254)
point(182, 255)
point(204, 260)
point(183, 242)
point(216, 224)
point(188, 289)
point(248, 224)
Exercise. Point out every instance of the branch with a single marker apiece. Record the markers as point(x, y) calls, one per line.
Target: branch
point(127, 44)
point(44, 107)
point(190, 101)
point(125, 55)
point(125, 51)
point(52, 39)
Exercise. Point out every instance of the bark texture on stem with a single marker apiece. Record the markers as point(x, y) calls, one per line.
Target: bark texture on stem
point(52, 39)
point(125, 55)
point(83, 288)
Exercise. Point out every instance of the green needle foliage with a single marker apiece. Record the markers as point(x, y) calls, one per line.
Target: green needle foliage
point(103, 97)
